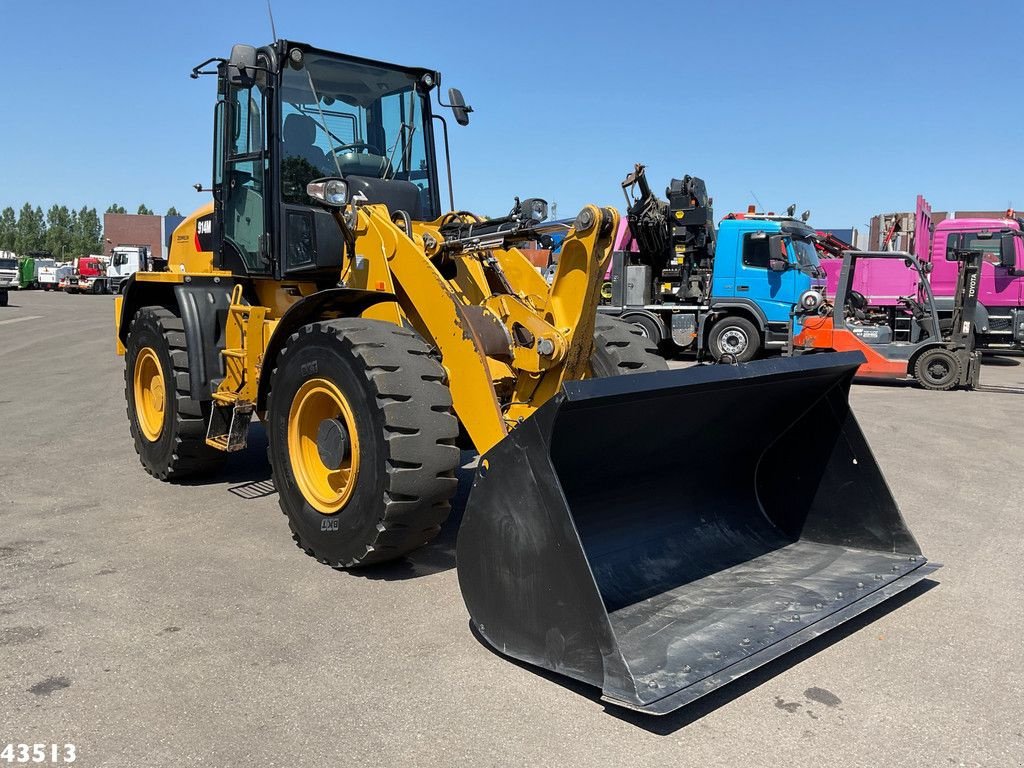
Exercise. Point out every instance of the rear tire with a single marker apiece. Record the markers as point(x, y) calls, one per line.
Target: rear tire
point(620, 348)
point(180, 449)
point(381, 381)
point(649, 327)
point(3, 298)
point(938, 370)
point(736, 336)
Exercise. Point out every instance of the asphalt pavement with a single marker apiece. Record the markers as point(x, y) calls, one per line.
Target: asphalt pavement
point(169, 625)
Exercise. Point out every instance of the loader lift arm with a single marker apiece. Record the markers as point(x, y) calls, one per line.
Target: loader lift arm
point(548, 331)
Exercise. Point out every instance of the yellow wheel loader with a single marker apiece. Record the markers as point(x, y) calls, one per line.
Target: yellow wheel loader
point(654, 534)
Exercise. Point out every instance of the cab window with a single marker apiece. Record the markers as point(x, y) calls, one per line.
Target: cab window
point(971, 241)
point(755, 250)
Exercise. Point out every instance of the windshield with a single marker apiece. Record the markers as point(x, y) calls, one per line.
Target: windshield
point(806, 253)
point(8, 263)
point(348, 118)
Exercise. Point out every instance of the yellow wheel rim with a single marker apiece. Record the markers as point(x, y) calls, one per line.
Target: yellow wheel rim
point(327, 489)
point(150, 394)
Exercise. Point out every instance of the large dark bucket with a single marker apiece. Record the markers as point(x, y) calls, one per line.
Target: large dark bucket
point(659, 535)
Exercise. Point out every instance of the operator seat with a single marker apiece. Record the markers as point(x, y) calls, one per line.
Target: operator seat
point(299, 136)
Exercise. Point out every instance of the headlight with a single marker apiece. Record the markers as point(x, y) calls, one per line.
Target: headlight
point(810, 301)
point(331, 192)
point(535, 209)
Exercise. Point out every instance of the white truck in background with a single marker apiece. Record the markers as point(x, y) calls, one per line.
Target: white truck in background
point(46, 274)
point(8, 275)
point(126, 260)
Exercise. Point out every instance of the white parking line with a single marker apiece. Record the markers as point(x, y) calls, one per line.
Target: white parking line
point(20, 319)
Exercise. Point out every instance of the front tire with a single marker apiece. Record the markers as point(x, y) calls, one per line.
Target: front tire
point(167, 425)
point(938, 370)
point(735, 336)
point(362, 441)
point(620, 347)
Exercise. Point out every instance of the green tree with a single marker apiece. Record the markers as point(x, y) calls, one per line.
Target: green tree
point(88, 232)
point(8, 229)
point(143, 210)
point(172, 211)
point(60, 226)
point(116, 208)
point(30, 231)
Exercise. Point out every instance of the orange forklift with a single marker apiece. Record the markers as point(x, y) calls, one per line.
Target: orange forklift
point(908, 341)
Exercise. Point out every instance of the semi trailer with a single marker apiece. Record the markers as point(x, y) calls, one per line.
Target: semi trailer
point(733, 293)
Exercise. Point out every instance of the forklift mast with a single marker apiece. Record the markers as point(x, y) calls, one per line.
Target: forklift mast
point(966, 298)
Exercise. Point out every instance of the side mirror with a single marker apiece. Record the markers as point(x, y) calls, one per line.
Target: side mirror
point(458, 105)
point(778, 260)
point(1008, 251)
point(242, 65)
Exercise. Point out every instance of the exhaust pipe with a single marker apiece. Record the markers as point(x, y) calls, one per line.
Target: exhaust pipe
point(659, 535)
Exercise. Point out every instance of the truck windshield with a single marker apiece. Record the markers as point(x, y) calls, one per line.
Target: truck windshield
point(342, 117)
point(806, 253)
point(8, 263)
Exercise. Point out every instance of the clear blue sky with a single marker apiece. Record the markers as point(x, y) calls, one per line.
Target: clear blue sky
point(848, 108)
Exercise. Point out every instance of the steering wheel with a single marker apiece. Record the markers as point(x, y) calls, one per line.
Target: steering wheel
point(915, 307)
point(370, 148)
point(857, 300)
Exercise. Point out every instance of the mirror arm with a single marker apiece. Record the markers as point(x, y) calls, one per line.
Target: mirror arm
point(198, 70)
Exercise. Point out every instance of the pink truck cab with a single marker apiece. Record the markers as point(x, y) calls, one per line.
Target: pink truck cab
point(999, 318)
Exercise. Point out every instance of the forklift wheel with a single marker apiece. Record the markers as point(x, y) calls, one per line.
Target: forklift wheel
point(937, 369)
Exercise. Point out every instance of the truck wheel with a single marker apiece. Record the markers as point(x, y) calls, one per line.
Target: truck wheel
point(167, 425)
point(3, 298)
point(649, 327)
point(362, 441)
point(620, 347)
point(937, 369)
point(734, 336)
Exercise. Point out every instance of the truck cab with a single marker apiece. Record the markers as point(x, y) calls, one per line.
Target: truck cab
point(999, 318)
point(89, 275)
point(125, 261)
point(9, 271)
point(763, 265)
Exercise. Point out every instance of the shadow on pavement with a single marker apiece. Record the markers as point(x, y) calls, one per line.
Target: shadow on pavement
point(668, 724)
point(439, 555)
point(1000, 361)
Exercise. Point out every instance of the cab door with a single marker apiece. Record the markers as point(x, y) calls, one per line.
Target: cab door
point(240, 179)
point(771, 291)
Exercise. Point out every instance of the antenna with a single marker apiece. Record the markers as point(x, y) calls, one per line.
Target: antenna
point(759, 206)
point(270, 13)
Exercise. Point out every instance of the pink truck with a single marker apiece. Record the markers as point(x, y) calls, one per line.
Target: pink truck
point(893, 290)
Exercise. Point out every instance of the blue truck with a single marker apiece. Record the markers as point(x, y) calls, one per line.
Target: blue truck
point(735, 293)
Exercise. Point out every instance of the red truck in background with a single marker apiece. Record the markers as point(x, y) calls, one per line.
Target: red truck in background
point(89, 275)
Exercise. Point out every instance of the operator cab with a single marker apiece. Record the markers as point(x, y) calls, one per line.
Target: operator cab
point(288, 114)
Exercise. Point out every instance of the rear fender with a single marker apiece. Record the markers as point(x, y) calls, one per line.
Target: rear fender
point(202, 304)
